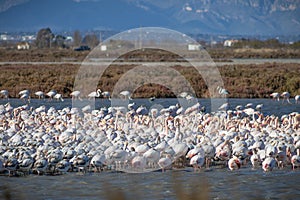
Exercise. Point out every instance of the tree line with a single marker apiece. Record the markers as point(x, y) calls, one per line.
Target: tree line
point(47, 39)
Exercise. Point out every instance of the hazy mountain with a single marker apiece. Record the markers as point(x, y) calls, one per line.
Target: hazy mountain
point(265, 17)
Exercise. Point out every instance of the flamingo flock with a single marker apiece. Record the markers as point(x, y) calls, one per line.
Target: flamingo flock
point(135, 139)
point(285, 97)
point(25, 95)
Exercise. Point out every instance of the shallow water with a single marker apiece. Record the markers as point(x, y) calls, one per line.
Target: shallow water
point(174, 184)
point(270, 107)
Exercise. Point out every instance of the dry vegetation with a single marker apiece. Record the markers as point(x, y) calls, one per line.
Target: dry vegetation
point(251, 81)
point(227, 53)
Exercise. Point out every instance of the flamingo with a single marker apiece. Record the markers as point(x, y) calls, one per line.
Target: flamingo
point(281, 156)
point(286, 96)
point(106, 94)
point(126, 94)
point(40, 94)
point(63, 166)
point(24, 92)
point(254, 159)
point(268, 164)
point(51, 94)
point(259, 107)
point(2, 169)
point(223, 151)
point(98, 161)
point(297, 99)
point(4, 93)
point(131, 106)
point(295, 160)
point(189, 97)
point(209, 151)
point(41, 165)
point(239, 107)
point(95, 94)
point(183, 94)
point(275, 96)
point(234, 163)
point(222, 91)
point(197, 161)
point(11, 165)
point(197, 150)
point(165, 162)
point(25, 97)
point(152, 157)
point(138, 162)
point(26, 164)
point(75, 94)
point(151, 99)
point(59, 97)
point(224, 107)
point(119, 156)
point(81, 162)
point(249, 105)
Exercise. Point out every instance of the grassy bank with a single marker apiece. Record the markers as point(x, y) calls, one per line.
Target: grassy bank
point(243, 81)
point(58, 55)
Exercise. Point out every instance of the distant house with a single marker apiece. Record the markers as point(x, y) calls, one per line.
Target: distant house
point(194, 47)
point(23, 46)
point(103, 47)
point(229, 43)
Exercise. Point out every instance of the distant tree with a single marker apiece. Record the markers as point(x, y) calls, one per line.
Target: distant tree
point(91, 40)
point(59, 41)
point(77, 38)
point(44, 38)
point(295, 45)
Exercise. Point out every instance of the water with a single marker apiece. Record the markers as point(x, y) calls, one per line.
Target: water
point(176, 184)
point(217, 183)
point(270, 107)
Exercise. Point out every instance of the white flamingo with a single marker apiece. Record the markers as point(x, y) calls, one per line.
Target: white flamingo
point(63, 166)
point(95, 94)
point(255, 159)
point(126, 94)
point(4, 93)
point(11, 165)
point(98, 161)
point(234, 163)
point(51, 94)
point(222, 91)
point(286, 96)
point(165, 163)
point(41, 165)
point(297, 99)
point(24, 92)
point(197, 161)
point(26, 164)
point(275, 96)
point(105, 94)
point(268, 164)
point(224, 107)
point(58, 97)
point(152, 157)
point(40, 94)
point(25, 97)
point(138, 162)
point(75, 94)
point(295, 160)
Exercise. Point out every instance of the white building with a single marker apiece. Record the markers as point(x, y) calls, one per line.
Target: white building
point(23, 46)
point(194, 47)
point(229, 43)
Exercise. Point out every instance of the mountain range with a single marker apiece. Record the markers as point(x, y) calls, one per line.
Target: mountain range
point(236, 17)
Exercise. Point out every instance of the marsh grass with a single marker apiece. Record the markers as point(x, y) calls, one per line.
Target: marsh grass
point(243, 81)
